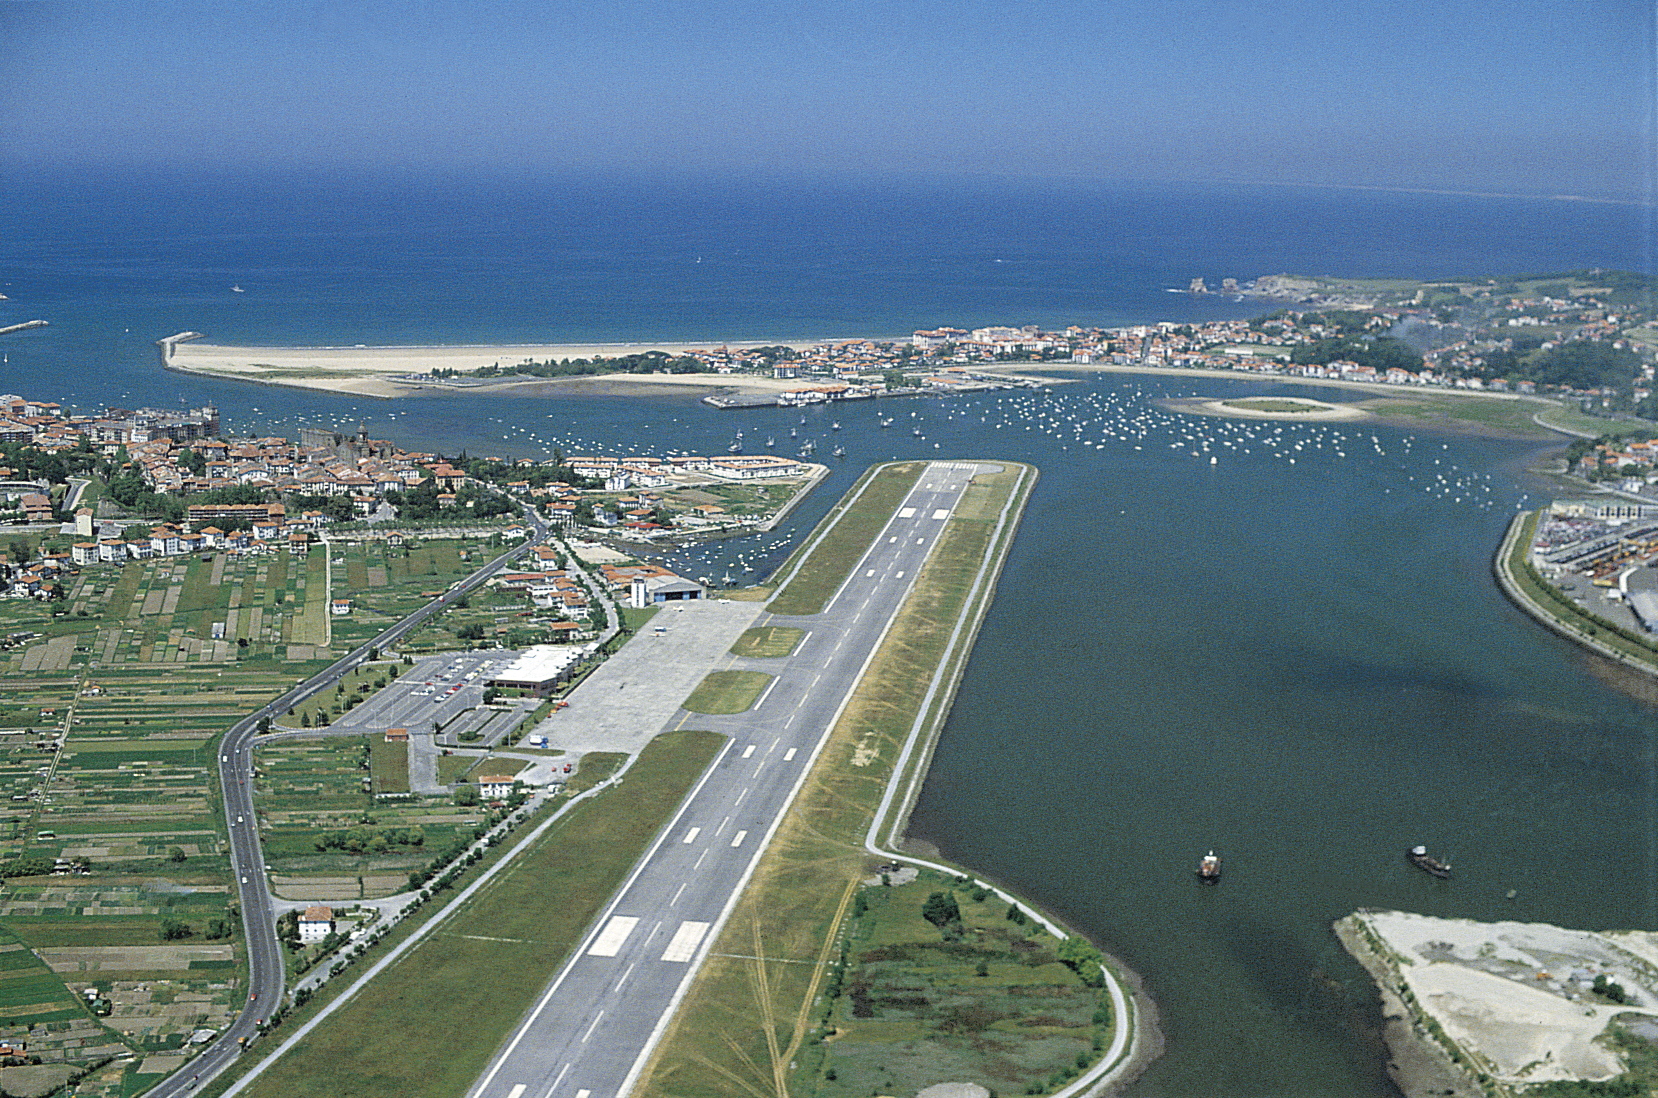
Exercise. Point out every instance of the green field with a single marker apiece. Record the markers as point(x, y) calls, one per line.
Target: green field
point(727, 691)
point(852, 530)
point(986, 998)
point(517, 931)
point(768, 641)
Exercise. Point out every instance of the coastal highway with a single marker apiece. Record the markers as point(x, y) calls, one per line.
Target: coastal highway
point(590, 1032)
point(265, 966)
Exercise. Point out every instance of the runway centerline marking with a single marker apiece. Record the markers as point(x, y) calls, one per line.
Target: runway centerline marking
point(557, 1080)
point(671, 903)
point(628, 973)
point(592, 1027)
point(700, 857)
point(739, 799)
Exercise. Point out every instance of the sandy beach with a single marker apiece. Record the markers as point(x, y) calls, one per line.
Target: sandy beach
point(389, 372)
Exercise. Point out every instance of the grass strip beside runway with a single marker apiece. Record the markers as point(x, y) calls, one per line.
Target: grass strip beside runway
point(463, 988)
point(848, 536)
point(758, 1019)
point(727, 691)
point(768, 642)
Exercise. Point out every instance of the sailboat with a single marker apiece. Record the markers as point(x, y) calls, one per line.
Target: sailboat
point(770, 442)
point(839, 451)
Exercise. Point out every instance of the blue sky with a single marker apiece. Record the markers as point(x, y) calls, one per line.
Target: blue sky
point(1484, 95)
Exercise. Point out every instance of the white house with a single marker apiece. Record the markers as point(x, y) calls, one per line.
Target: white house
point(316, 924)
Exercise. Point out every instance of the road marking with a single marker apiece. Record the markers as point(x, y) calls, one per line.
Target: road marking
point(764, 694)
point(723, 822)
point(592, 1027)
point(584, 1094)
point(557, 1080)
point(691, 835)
point(609, 942)
point(869, 572)
point(906, 512)
point(921, 541)
point(898, 575)
point(788, 756)
point(773, 746)
point(700, 857)
point(747, 751)
point(942, 513)
point(739, 799)
point(892, 539)
point(737, 839)
point(518, 1088)
point(685, 942)
point(628, 973)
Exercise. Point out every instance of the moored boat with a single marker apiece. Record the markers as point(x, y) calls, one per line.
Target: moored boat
point(1427, 863)
point(1208, 869)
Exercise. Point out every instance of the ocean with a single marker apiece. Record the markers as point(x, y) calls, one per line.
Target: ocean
point(1293, 654)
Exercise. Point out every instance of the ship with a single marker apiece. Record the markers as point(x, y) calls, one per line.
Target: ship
point(835, 426)
point(1427, 863)
point(237, 290)
point(770, 442)
point(839, 451)
point(735, 448)
point(885, 422)
point(1208, 869)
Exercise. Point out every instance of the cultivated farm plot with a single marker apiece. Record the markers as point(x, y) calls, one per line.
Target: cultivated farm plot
point(310, 790)
point(386, 582)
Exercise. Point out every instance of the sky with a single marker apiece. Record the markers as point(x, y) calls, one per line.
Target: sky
point(1507, 96)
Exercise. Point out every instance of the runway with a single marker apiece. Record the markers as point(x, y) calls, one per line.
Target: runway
point(589, 1034)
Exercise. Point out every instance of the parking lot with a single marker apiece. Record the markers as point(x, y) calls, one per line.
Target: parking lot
point(440, 701)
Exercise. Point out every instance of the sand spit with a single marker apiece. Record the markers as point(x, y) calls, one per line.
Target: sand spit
point(397, 371)
point(1511, 1000)
point(1306, 408)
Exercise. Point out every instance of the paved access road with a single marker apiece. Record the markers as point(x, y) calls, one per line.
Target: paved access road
point(589, 1034)
point(265, 965)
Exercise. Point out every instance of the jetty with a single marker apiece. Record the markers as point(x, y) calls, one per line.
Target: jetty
point(25, 326)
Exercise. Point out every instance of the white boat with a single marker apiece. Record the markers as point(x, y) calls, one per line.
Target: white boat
point(237, 290)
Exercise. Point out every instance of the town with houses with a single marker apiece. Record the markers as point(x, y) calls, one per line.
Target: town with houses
point(181, 454)
point(1461, 335)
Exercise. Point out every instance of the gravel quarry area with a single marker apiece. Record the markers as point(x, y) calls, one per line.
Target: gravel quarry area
point(1518, 1000)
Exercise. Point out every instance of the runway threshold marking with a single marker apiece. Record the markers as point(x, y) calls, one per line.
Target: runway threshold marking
point(868, 572)
point(942, 513)
point(747, 751)
point(906, 512)
point(737, 839)
point(898, 575)
point(685, 941)
point(788, 756)
point(691, 835)
point(518, 1088)
point(609, 942)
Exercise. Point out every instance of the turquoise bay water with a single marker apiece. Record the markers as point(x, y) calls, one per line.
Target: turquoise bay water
point(1303, 665)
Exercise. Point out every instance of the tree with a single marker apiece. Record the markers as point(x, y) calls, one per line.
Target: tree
point(1083, 959)
point(175, 854)
point(466, 795)
point(174, 930)
point(941, 910)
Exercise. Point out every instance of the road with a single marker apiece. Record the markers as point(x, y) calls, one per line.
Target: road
point(265, 966)
point(589, 1034)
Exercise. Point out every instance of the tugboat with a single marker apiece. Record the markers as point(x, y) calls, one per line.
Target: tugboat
point(1208, 870)
point(1421, 859)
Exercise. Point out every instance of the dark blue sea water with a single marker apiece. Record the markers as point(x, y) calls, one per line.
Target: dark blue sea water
point(1303, 663)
